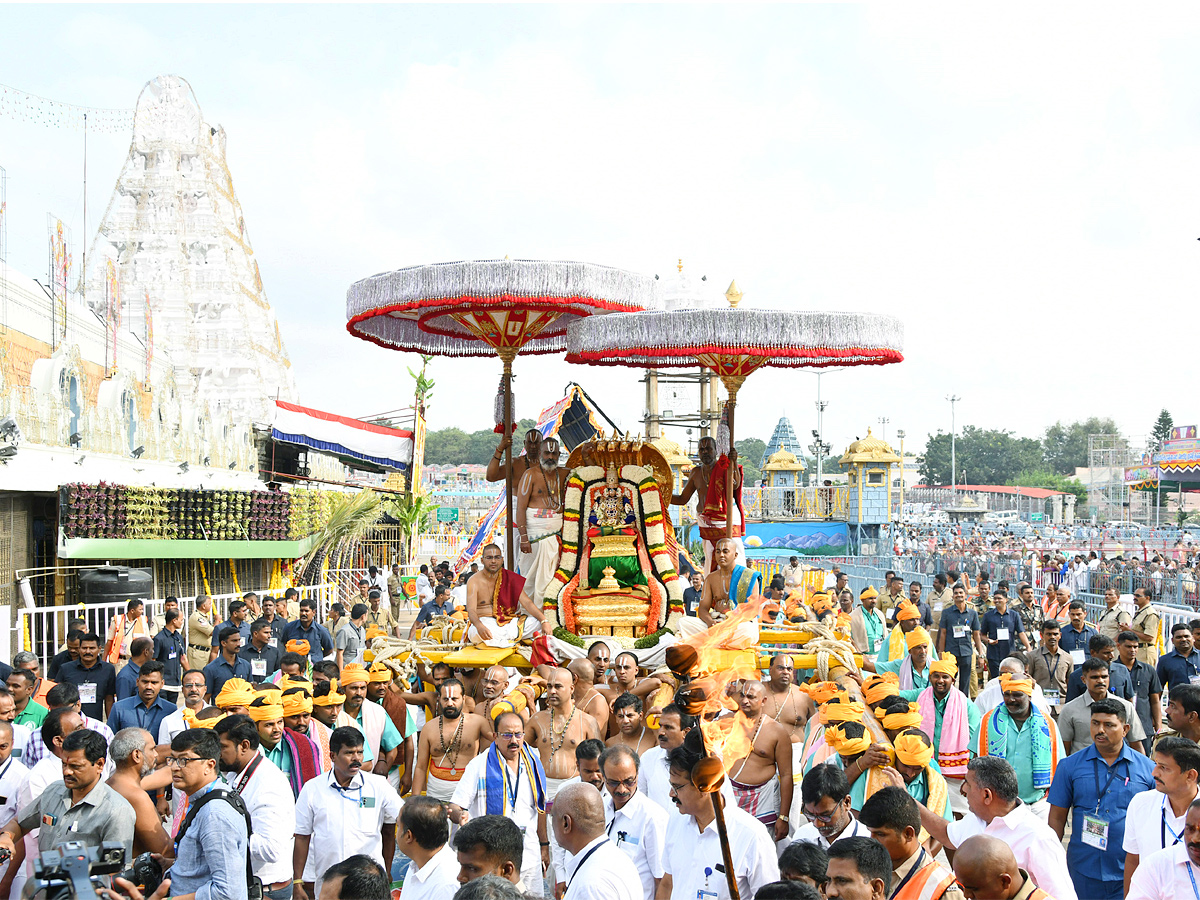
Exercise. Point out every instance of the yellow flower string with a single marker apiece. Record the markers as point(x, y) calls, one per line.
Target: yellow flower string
point(233, 571)
point(204, 576)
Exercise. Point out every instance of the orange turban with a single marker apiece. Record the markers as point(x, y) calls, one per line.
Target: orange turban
point(947, 665)
point(374, 631)
point(236, 692)
point(868, 593)
point(333, 698)
point(268, 707)
point(834, 736)
point(854, 746)
point(911, 750)
point(916, 637)
point(301, 647)
point(355, 674)
point(1011, 683)
point(907, 611)
point(379, 674)
point(821, 691)
point(190, 720)
point(842, 712)
point(821, 604)
point(878, 688)
point(910, 719)
point(287, 682)
point(297, 702)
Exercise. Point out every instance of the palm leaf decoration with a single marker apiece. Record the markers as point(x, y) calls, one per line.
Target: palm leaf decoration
point(351, 517)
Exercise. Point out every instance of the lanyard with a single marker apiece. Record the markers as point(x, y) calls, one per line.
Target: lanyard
point(1112, 773)
point(1195, 889)
point(347, 789)
point(911, 872)
point(588, 856)
point(1162, 829)
point(250, 769)
point(511, 796)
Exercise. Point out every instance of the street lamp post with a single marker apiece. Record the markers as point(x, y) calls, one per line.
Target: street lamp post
point(953, 398)
point(900, 434)
point(883, 420)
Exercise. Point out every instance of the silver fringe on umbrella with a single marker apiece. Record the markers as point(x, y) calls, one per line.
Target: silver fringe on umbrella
point(657, 339)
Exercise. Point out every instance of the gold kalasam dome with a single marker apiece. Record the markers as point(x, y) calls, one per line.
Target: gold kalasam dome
point(671, 451)
point(783, 461)
point(869, 450)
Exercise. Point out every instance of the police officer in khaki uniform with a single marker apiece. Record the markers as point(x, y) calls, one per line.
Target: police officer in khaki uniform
point(1113, 620)
point(1145, 625)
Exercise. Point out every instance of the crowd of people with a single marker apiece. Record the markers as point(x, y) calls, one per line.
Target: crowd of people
point(993, 744)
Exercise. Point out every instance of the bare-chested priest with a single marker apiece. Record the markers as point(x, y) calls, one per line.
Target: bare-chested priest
point(762, 779)
point(495, 468)
point(538, 517)
point(791, 708)
point(707, 482)
point(448, 743)
point(587, 695)
point(626, 681)
point(557, 730)
point(728, 586)
point(495, 597)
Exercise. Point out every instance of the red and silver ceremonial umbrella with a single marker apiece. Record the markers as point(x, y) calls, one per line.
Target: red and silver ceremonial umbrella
point(483, 307)
point(734, 342)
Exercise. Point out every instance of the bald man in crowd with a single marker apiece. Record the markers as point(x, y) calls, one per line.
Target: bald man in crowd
point(596, 868)
point(987, 870)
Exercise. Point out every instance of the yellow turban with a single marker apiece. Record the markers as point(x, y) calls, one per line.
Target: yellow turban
point(821, 691)
point(868, 593)
point(355, 674)
point(287, 682)
point(897, 721)
point(842, 712)
point(916, 637)
point(236, 692)
point(268, 707)
point(854, 746)
point(301, 647)
point(907, 611)
point(911, 750)
point(834, 736)
point(379, 674)
point(947, 665)
point(190, 720)
point(333, 698)
point(374, 631)
point(878, 688)
point(297, 702)
point(1011, 683)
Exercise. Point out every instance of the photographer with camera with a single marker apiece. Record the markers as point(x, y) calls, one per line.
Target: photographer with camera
point(212, 857)
point(81, 807)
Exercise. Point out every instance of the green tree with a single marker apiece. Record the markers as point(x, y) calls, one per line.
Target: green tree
point(750, 452)
point(1044, 479)
point(1065, 447)
point(423, 384)
point(983, 456)
point(1162, 430)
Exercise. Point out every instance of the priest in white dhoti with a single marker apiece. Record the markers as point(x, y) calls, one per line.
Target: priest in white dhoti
point(538, 518)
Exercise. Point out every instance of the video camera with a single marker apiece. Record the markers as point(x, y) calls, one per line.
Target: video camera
point(72, 870)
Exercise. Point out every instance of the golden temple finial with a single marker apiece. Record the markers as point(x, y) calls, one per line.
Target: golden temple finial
point(680, 265)
point(733, 295)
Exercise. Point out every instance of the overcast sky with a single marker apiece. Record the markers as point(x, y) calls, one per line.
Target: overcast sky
point(1017, 184)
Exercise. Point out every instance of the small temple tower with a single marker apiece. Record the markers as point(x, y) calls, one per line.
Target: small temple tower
point(868, 463)
point(783, 470)
point(783, 438)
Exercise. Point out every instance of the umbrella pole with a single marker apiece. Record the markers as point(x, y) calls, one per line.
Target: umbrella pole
point(507, 358)
point(732, 384)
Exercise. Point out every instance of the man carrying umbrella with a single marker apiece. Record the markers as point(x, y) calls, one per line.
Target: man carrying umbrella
point(539, 516)
point(708, 482)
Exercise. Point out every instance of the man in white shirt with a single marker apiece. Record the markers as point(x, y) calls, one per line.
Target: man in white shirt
point(423, 837)
point(635, 824)
point(194, 696)
point(13, 778)
point(693, 845)
point(424, 588)
point(596, 868)
point(996, 810)
point(342, 812)
point(507, 779)
point(1171, 874)
point(1162, 811)
point(269, 800)
point(793, 574)
point(825, 802)
point(654, 771)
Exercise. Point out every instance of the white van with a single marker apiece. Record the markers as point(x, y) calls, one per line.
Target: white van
point(1002, 516)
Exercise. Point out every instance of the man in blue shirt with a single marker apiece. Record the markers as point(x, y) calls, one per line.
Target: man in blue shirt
point(211, 856)
point(957, 633)
point(228, 663)
point(307, 628)
point(442, 604)
point(147, 709)
point(1101, 647)
point(1001, 628)
point(1181, 665)
point(239, 618)
point(141, 651)
point(96, 679)
point(1095, 786)
point(1076, 633)
point(171, 652)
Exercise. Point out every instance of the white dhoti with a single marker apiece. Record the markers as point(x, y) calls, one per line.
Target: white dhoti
point(542, 527)
point(512, 631)
point(439, 788)
point(744, 635)
point(958, 800)
point(796, 819)
point(558, 856)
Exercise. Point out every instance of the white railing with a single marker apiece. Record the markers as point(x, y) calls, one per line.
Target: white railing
point(443, 546)
point(43, 630)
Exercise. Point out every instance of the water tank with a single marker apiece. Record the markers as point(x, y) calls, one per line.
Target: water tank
point(116, 584)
